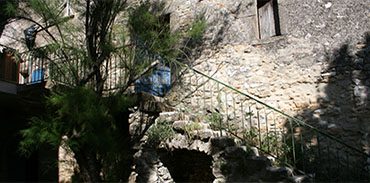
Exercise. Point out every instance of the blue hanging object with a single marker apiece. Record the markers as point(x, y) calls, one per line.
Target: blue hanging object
point(37, 76)
point(158, 83)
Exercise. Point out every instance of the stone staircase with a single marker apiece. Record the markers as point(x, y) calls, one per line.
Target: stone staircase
point(209, 109)
point(231, 159)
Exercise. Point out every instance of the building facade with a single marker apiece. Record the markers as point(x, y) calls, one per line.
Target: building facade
point(308, 58)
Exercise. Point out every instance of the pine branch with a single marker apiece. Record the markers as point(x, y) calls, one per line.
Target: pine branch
point(142, 73)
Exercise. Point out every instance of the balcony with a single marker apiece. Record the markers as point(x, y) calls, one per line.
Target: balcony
point(30, 70)
point(19, 74)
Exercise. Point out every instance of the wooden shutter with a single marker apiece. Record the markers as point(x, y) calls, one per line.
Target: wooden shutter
point(266, 20)
point(8, 68)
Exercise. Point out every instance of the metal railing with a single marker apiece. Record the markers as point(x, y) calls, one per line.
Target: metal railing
point(288, 140)
point(23, 69)
point(68, 69)
point(35, 68)
point(32, 68)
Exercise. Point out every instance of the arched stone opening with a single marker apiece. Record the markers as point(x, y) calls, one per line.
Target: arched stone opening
point(188, 165)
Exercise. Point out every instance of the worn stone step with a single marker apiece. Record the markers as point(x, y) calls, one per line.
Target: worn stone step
point(169, 116)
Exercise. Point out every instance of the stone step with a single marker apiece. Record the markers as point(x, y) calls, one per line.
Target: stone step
point(200, 137)
point(170, 116)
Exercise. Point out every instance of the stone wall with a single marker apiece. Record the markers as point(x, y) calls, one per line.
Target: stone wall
point(228, 21)
point(329, 23)
point(317, 69)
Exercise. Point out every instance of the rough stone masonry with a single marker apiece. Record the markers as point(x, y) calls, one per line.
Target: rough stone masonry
point(313, 62)
point(309, 58)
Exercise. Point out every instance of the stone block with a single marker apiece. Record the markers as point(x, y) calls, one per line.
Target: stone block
point(204, 134)
point(169, 116)
point(180, 125)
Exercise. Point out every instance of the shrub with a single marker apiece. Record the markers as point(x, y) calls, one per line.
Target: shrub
point(160, 132)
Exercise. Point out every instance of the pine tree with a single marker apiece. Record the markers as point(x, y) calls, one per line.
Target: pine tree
point(79, 49)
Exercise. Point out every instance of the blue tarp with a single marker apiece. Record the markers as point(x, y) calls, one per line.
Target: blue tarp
point(158, 83)
point(37, 76)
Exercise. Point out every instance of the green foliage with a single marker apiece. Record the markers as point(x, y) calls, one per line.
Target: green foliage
point(81, 115)
point(192, 127)
point(250, 136)
point(271, 143)
point(48, 10)
point(196, 31)
point(94, 122)
point(119, 104)
point(160, 132)
point(10, 8)
point(89, 123)
point(41, 131)
point(215, 120)
point(151, 30)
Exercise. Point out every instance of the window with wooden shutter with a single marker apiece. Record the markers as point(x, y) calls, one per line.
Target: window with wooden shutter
point(267, 18)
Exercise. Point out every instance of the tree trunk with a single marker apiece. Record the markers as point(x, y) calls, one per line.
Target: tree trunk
point(89, 165)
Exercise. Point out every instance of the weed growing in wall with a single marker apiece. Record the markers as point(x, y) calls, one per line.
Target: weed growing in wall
point(215, 120)
point(160, 132)
point(190, 128)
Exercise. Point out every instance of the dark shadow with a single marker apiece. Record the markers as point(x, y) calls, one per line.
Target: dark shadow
point(239, 164)
point(144, 164)
point(8, 66)
point(343, 113)
point(41, 165)
point(188, 165)
point(276, 18)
